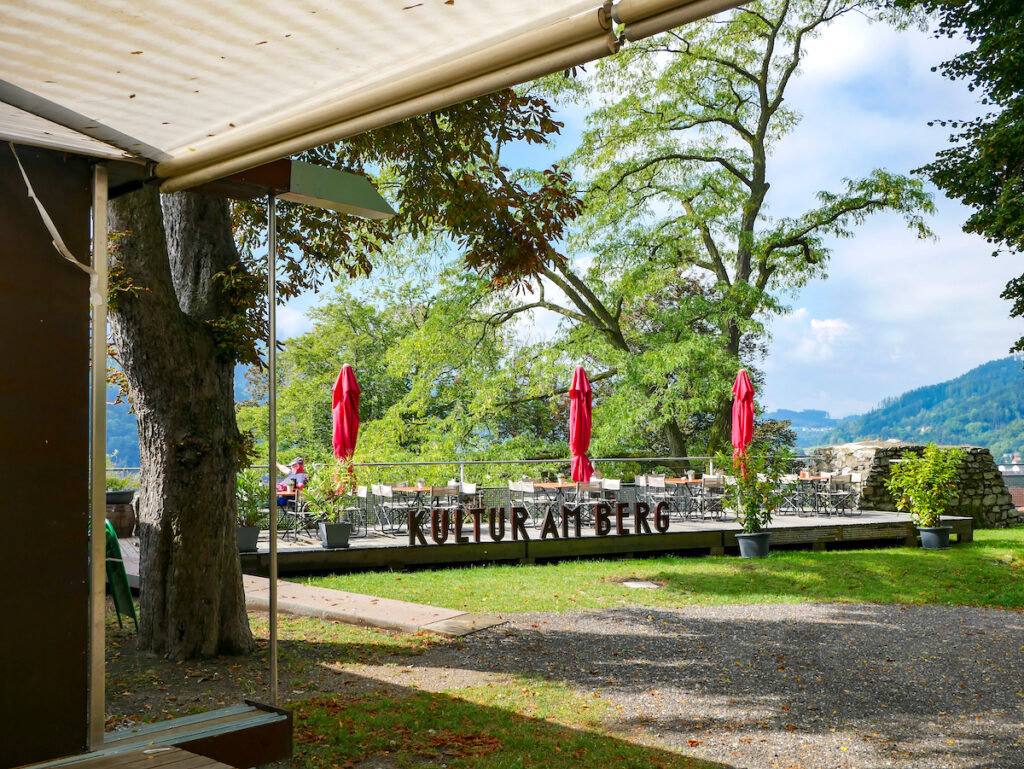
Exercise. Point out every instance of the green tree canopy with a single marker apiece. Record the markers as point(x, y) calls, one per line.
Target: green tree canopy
point(984, 164)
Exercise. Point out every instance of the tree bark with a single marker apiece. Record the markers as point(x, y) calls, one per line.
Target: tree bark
point(181, 384)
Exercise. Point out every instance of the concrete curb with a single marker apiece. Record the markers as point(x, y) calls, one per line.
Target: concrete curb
point(357, 609)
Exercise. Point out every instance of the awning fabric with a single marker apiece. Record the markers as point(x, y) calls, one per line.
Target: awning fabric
point(208, 89)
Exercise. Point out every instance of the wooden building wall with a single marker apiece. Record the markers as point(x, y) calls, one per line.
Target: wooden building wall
point(44, 460)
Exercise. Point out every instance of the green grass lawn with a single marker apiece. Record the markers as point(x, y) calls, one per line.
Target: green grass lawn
point(541, 725)
point(988, 572)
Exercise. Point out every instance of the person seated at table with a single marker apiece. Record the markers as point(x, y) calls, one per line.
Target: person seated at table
point(296, 472)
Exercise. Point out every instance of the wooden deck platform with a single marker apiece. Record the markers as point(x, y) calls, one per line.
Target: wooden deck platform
point(381, 551)
point(148, 757)
point(240, 736)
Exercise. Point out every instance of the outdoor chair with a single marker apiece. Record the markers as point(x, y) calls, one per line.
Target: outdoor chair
point(469, 495)
point(443, 498)
point(839, 495)
point(357, 512)
point(658, 492)
point(536, 501)
point(611, 488)
point(391, 511)
point(792, 495)
point(713, 497)
point(587, 496)
point(515, 493)
point(298, 518)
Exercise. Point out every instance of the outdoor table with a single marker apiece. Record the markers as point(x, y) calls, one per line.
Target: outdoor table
point(419, 491)
point(559, 487)
point(291, 514)
point(691, 500)
point(813, 485)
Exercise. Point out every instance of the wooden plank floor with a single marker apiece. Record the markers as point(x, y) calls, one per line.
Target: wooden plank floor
point(384, 551)
point(159, 757)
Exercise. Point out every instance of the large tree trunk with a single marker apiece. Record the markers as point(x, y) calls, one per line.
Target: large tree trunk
point(181, 384)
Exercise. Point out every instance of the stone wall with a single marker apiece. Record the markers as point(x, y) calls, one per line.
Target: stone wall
point(983, 494)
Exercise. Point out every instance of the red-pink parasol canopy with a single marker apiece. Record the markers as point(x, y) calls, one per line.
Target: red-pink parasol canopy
point(346, 413)
point(579, 425)
point(742, 414)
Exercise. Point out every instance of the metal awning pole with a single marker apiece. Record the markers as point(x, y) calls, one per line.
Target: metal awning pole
point(97, 542)
point(272, 413)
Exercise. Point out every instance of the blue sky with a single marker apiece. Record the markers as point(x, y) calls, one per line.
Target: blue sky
point(895, 312)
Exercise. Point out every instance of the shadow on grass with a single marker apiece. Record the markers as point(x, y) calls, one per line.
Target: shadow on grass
point(869, 685)
point(404, 727)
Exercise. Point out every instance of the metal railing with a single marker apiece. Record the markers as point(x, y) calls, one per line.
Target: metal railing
point(552, 465)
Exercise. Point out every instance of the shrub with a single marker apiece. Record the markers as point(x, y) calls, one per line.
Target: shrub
point(252, 495)
point(757, 493)
point(926, 485)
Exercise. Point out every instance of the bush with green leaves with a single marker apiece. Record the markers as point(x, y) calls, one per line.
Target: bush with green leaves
point(756, 492)
point(252, 495)
point(925, 485)
point(326, 487)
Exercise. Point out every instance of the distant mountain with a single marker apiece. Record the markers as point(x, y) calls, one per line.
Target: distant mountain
point(811, 426)
point(123, 430)
point(984, 407)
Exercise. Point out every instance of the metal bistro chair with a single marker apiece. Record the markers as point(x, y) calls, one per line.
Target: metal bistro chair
point(536, 501)
point(588, 495)
point(640, 487)
point(469, 495)
point(611, 488)
point(658, 492)
point(839, 494)
point(298, 517)
point(791, 495)
point(713, 497)
point(391, 511)
point(358, 512)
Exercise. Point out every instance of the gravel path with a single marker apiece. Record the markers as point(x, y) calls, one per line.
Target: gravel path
point(778, 686)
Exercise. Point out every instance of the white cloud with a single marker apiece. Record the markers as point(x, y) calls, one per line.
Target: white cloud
point(292, 321)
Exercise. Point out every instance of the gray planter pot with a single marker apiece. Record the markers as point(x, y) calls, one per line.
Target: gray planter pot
point(121, 497)
point(935, 537)
point(248, 536)
point(334, 535)
point(753, 545)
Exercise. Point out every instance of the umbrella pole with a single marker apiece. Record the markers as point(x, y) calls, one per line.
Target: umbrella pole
point(272, 414)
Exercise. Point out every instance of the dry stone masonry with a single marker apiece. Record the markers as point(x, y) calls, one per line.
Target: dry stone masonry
point(983, 494)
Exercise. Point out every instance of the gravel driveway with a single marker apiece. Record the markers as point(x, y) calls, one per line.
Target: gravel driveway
point(808, 686)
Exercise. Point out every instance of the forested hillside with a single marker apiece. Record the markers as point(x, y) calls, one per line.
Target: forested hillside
point(984, 407)
point(810, 425)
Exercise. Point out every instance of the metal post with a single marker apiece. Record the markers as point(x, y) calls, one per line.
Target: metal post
point(272, 413)
point(462, 472)
point(97, 542)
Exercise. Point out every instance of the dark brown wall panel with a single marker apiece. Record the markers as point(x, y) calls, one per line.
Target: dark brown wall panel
point(44, 456)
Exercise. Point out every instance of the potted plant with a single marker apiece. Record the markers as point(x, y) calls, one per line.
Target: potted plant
point(326, 497)
point(925, 485)
point(120, 489)
point(755, 494)
point(251, 496)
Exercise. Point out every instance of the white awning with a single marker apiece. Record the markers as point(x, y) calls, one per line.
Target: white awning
point(208, 89)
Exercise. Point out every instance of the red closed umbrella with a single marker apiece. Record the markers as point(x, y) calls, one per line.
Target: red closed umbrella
point(579, 425)
point(742, 414)
point(346, 413)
